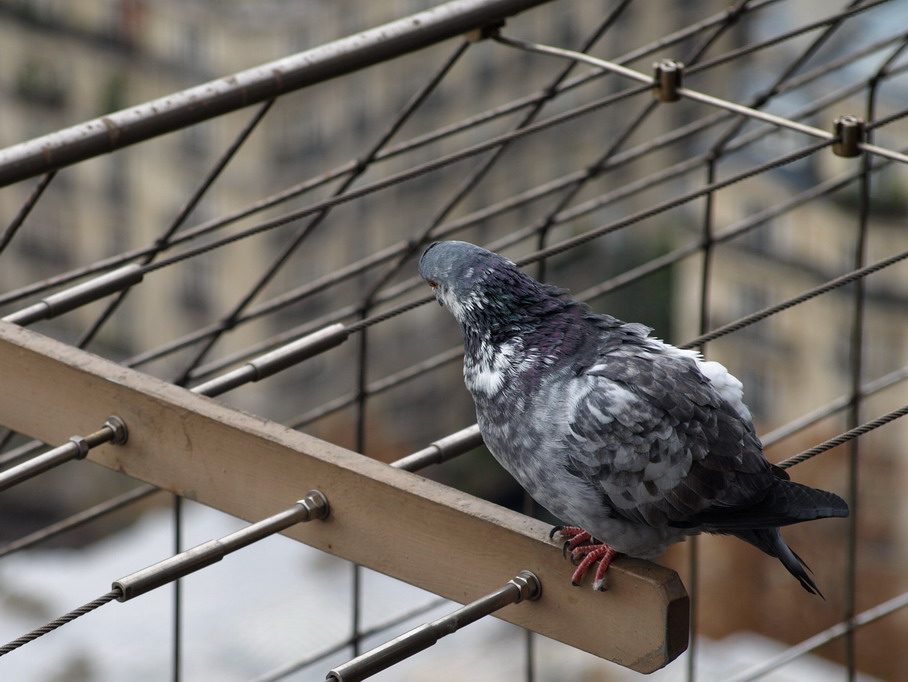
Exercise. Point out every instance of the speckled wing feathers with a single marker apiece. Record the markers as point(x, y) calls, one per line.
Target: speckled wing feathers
point(662, 445)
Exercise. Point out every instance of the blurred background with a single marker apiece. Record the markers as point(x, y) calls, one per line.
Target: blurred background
point(609, 155)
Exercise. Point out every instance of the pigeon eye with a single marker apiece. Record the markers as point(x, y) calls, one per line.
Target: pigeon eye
point(432, 283)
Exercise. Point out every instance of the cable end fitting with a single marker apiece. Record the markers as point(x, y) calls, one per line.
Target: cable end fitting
point(667, 76)
point(851, 132)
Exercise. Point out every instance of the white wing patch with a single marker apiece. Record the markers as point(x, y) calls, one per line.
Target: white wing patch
point(726, 384)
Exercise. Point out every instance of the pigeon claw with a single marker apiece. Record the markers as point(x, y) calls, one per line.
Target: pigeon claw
point(574, 537)
point(601, 553)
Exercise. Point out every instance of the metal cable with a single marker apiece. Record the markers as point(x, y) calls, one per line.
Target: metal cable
point(842, 438)
point(807, 420)
point(841, 281)
point(473, 218)
point(59, 622)
point(7, 235)
point(190, 234)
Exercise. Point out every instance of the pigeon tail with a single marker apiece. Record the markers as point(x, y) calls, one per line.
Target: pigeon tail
point(785, 503)
point(770, 541)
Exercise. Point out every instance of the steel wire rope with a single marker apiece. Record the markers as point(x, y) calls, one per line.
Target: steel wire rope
point(899, 115)
point(714, 334)
point(162, 242)
point(840, 281)
point(31, 201)
point(807, 420)
point(613, 226)
point(59, 622)
point(634, 218)
point(466, 187)
point(394, 179)
point(78, 519)
point(302, 234)
point(845, 437)
point(321, 654)
point(683, 252)
point(550, 92)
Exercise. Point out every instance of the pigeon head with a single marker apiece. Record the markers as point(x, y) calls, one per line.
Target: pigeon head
point(485, 291)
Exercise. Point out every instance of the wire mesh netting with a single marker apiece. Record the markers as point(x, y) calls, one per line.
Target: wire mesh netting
point(750, 205)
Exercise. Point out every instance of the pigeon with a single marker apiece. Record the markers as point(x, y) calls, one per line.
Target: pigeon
point(633, 442)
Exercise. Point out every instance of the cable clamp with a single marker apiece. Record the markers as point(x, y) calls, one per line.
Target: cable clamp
point(488, 31)
point(667, 76)
point(851, 132)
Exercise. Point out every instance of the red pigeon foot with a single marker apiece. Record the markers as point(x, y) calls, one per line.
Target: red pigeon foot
point(598, 552)
point(574, 536)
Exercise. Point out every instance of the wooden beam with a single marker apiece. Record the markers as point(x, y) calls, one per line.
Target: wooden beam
point(392, 521)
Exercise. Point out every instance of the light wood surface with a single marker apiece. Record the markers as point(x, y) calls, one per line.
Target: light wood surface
point(392, 521)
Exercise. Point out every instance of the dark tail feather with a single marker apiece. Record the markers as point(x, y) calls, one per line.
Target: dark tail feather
point(770, 541)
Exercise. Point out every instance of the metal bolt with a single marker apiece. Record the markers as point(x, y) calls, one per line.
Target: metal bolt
point(120, 432)
point(316, 504)
point(528, 584)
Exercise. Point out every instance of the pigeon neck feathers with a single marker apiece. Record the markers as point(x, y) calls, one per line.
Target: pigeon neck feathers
point(514, 327)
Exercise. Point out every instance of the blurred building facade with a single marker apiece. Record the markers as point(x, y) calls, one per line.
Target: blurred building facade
point(67, 62)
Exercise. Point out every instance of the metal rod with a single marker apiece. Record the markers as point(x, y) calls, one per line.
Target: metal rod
point(114, 431)
point(252, 86)
point(79, 295)
point(313, 506)
point(276, 360)
point(525, 585)
point(442, 450)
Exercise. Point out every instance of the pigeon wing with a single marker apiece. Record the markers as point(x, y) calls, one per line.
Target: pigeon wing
point(659, 442)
